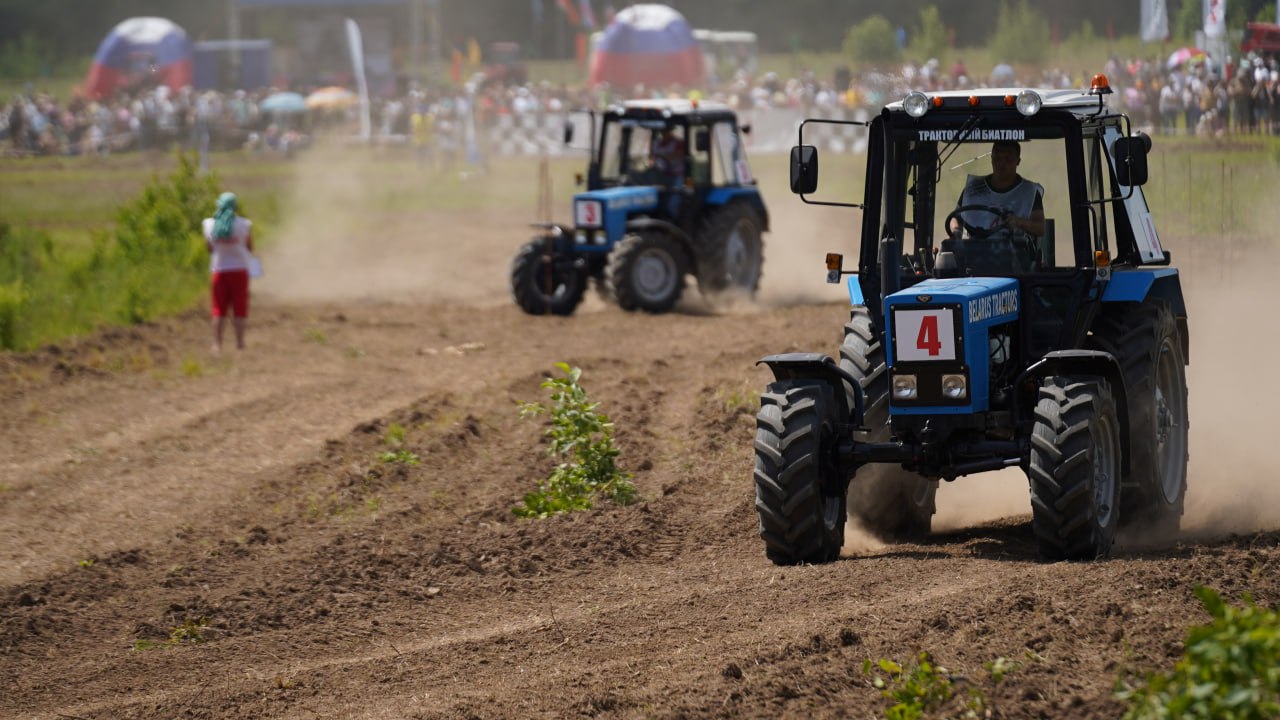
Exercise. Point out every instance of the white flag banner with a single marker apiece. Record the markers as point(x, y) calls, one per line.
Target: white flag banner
point(362, 86)
point(1155, 21)
point(1215, 18)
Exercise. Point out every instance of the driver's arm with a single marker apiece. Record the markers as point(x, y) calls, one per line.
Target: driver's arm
point(1032, 225)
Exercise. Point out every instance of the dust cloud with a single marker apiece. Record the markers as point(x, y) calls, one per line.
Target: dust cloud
point(356, 227)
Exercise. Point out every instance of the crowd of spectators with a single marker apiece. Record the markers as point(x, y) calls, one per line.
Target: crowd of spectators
point(1198, 97)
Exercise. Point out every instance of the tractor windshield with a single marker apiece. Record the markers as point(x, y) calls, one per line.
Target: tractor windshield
point(997, 206)
point(642, 152)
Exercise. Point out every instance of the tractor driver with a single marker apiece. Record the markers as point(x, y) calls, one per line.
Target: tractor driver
point(1020, 199)
point(668, 156)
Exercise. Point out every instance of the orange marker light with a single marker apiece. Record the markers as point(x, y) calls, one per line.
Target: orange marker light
point(1009, 100)
point(835, 261)
point(1101, 258)
point(1100, 85)
point(937, 101)
point(973, 101)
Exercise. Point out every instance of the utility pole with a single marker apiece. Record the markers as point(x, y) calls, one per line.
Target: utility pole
point(415, 39)
point(233, 33)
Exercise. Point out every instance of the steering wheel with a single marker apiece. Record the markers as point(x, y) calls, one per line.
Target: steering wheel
point(981, 233)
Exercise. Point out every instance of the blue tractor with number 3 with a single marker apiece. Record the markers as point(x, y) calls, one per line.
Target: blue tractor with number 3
point(669, 194)
point(974, 346)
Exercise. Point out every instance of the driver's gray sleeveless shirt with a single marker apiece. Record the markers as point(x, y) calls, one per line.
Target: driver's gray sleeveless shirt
point(1020, 199)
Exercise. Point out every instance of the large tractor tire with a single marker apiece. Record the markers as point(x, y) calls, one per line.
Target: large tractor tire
point(730, 251)
point(888, 501)
point(646, 272)
point(544, 283)
point(800, 497)
point(1144, 339)
point(1075, 469)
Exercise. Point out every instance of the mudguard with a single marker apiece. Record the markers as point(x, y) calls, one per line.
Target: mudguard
point(819, 367)
point(719, 196)
point(1138, 284)
point(1079, 362)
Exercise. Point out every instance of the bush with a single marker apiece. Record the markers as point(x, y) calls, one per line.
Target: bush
point(1230, 669)
point(584, 435)
point(1022, 34)
point(152, 262)
point(872, 42)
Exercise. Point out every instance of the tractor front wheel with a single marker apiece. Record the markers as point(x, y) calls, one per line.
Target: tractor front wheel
point(544, 282)
point(800, 496)
point(1075, 469)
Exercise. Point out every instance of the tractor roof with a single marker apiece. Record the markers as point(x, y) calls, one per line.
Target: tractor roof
point(674, 107)
point(1081, 102)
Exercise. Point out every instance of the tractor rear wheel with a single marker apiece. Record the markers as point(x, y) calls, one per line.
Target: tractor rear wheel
point(1145, 341)
point(1075, 469)
point(800, 496)
point(546, 283)
point(887, 500)
point(646, 272)
point(730, 251)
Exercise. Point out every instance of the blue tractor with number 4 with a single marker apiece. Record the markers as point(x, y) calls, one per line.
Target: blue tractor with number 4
point(1054, 340)
point(669, 194)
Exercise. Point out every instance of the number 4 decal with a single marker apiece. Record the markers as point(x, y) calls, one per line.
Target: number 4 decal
point(923, 335)
point(928, 339)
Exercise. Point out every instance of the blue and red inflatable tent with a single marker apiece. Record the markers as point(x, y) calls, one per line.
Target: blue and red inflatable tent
point(140, 52)
point(648, 44)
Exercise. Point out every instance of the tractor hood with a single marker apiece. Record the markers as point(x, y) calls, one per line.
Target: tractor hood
point(942, 328)
point(987, 301)
point(616, 199)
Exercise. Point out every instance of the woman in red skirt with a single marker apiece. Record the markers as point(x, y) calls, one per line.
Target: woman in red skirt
point(229, 238)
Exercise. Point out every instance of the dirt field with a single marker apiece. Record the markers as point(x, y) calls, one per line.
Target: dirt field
point(146, 485)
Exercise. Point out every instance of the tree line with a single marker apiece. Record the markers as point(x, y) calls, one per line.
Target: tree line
point(53, 32)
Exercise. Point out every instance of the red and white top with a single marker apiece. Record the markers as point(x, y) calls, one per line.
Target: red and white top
point(230, 253)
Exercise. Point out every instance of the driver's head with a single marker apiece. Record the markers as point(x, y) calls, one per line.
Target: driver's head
point(1005, 156)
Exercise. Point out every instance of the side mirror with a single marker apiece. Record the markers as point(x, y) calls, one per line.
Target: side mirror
point(702, 140)
point(804, 169)
point(568, 132)
point(1130, 154)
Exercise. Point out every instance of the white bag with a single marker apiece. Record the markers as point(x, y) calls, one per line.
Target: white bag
point(255, 267)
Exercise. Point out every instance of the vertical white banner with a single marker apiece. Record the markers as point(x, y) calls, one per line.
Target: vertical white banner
point(1215, 18)
point(1155, 21)
point(362, 86)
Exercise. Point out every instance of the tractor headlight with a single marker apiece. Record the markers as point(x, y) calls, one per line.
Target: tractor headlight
point(600, 237)
point(1029, 102)
point(916, 104)
point(580, 237)
point(904, 387)
point(955, 387)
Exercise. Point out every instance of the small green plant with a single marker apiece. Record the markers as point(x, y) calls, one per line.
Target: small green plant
point(86, 563)
point(922, 689)
point(191, 631)
point(192, 367)
point(395, 435)
point(583, 436)
point(315, 335)
point(1230, 668)
point(740, 398)
point(399, 456)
